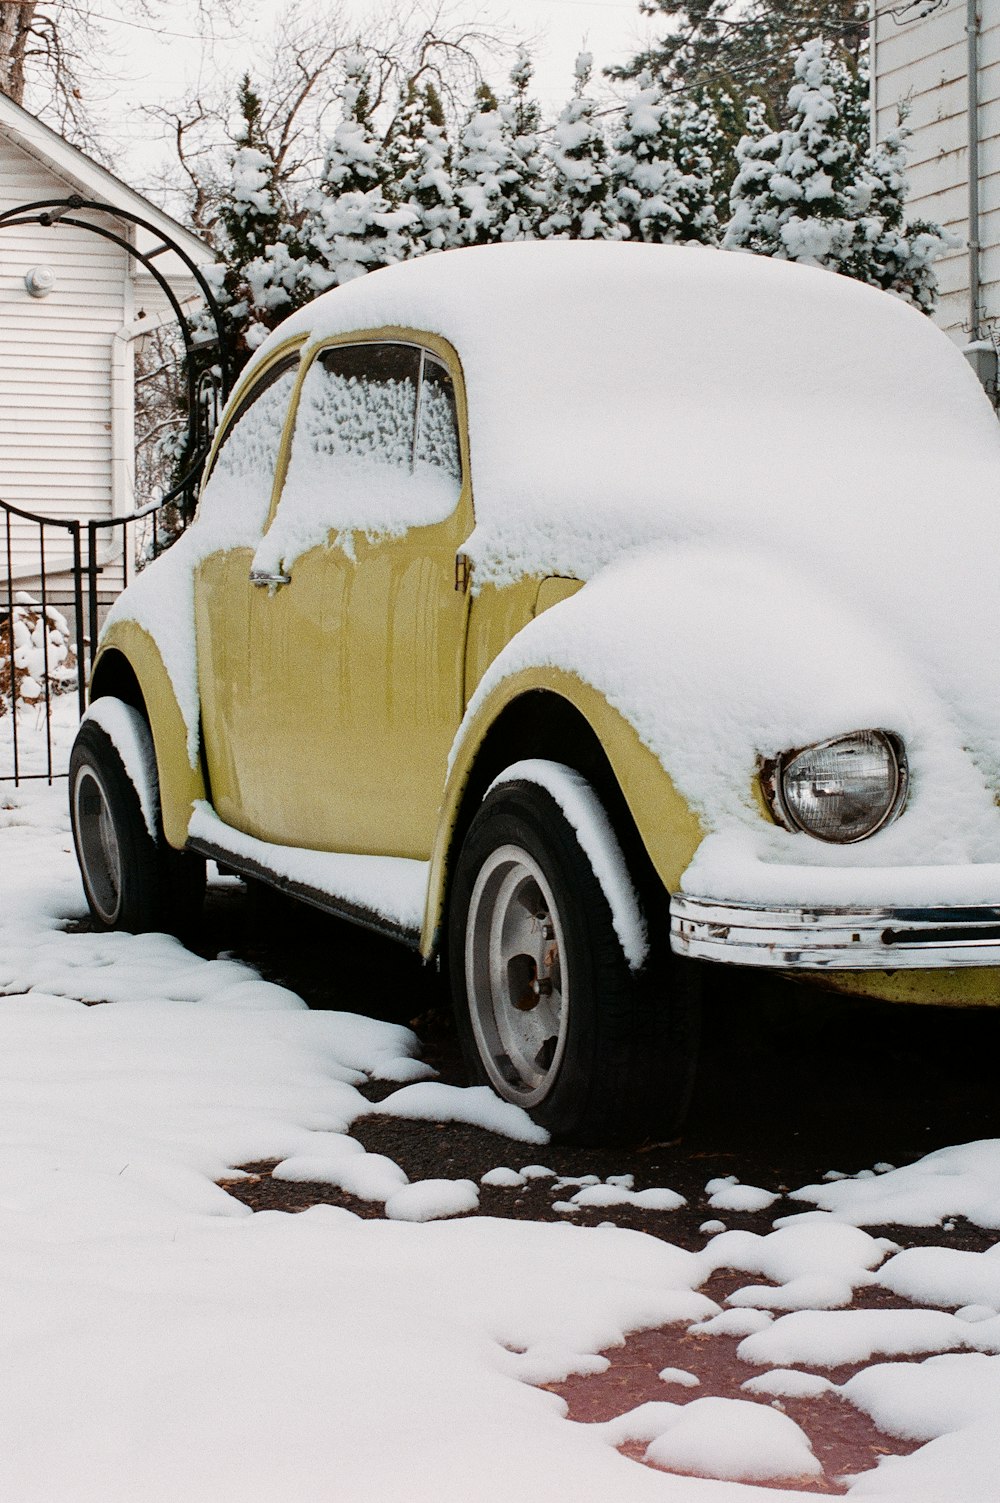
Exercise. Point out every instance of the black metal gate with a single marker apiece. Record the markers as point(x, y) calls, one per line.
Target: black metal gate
point(50, 615)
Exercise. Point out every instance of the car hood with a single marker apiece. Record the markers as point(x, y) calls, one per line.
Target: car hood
point(719, 655)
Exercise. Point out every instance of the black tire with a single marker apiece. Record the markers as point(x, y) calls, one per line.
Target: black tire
point(618, 1058)
point(131, 880)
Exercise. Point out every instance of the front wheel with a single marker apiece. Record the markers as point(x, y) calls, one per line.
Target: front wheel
point(549, 1013)
point(132, 879)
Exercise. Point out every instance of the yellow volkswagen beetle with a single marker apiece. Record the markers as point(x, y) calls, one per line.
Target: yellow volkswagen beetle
point(568, 611)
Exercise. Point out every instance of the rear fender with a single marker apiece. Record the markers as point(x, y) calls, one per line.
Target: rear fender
point(129, 666)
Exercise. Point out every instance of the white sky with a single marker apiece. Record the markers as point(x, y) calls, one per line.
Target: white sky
point(157, 66)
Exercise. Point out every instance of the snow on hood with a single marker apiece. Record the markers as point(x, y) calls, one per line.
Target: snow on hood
point(718, 655)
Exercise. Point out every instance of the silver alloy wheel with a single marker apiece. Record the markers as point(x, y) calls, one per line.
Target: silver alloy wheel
point(97, 843)
point(516, 976)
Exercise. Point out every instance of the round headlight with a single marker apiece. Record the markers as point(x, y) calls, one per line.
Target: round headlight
point(841, 790)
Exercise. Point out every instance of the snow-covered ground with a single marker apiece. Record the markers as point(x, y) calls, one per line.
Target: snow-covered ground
point(160, 1340)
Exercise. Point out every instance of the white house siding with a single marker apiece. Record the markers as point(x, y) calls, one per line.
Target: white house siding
point(924, 61)
point(55, 364)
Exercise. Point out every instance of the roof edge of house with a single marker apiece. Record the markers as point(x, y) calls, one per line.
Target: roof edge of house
point(95, 182)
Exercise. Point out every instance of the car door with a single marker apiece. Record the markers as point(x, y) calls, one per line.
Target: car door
point(233, 512)
point(358, 644)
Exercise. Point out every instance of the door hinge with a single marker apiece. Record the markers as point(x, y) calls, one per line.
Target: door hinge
point(463, 571)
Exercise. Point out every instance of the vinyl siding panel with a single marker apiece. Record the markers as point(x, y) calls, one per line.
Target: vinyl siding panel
point(924, 64)
point(55, 365)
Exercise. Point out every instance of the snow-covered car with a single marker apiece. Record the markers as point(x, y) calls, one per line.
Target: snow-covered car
point(568, 611)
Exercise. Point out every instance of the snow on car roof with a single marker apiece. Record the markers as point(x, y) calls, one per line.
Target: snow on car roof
point(621, 393)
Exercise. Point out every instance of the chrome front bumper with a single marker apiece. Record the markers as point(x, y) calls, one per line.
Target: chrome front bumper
point(842, 939)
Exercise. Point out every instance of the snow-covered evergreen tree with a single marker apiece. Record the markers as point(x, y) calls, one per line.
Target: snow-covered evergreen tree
point(352, 222)
point(583, 206)
point(525, 178)
point(816, 193)
point(661, 174)
point(500, 168)
point(482, 157)
point(419, 161)
point(897, 257)
point(251, 223)
point(710, 123)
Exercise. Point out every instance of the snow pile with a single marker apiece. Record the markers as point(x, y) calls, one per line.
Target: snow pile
point(336, 1160)
point(732, 1438)
point(679, 1376)
point(433, 1200)
point(828, 1338)
point(960, 1181)
point(788, 1383)
point(654, 1199)
point(727, 1194)
point(36, 648)
point(815, 1264)
point(503, 1179)
point(946, 1276)
point(714, 1437)
point(431, 1101)
point(950, 1401)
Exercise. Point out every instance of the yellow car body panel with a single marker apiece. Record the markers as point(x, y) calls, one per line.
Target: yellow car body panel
point(970, 986)
point(669, 829)
point(553, 589)
point(180, 783)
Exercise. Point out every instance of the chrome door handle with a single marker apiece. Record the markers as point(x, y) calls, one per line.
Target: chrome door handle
point(265, 581)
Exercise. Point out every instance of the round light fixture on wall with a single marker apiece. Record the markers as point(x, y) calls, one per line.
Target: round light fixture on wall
point(40, 280)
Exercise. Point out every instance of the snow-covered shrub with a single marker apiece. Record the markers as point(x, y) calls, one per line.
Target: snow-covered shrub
point(817, 193)
point(35, 646)
point(661, 171)
point(251, 228)
point(500, 170)
point(353, 221)
point(420, 167)
point(582, 204)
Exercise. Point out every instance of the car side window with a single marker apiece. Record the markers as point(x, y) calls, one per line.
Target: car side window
point(242, 475)
point(362, 403)
point(437, 433)
point(375, 449)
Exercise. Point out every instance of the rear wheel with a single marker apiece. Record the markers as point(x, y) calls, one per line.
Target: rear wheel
point(549, 1012)
point(132, 879)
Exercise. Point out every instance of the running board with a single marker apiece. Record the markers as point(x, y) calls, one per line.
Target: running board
point(382, 893)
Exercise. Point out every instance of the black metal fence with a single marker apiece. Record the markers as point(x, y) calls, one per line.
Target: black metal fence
point(58, 579)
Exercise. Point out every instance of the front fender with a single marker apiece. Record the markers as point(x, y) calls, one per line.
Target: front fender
point(180, 782)
point(669, 829)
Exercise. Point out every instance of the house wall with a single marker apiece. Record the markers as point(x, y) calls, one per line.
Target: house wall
point(55, 364)
point(924, 62)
